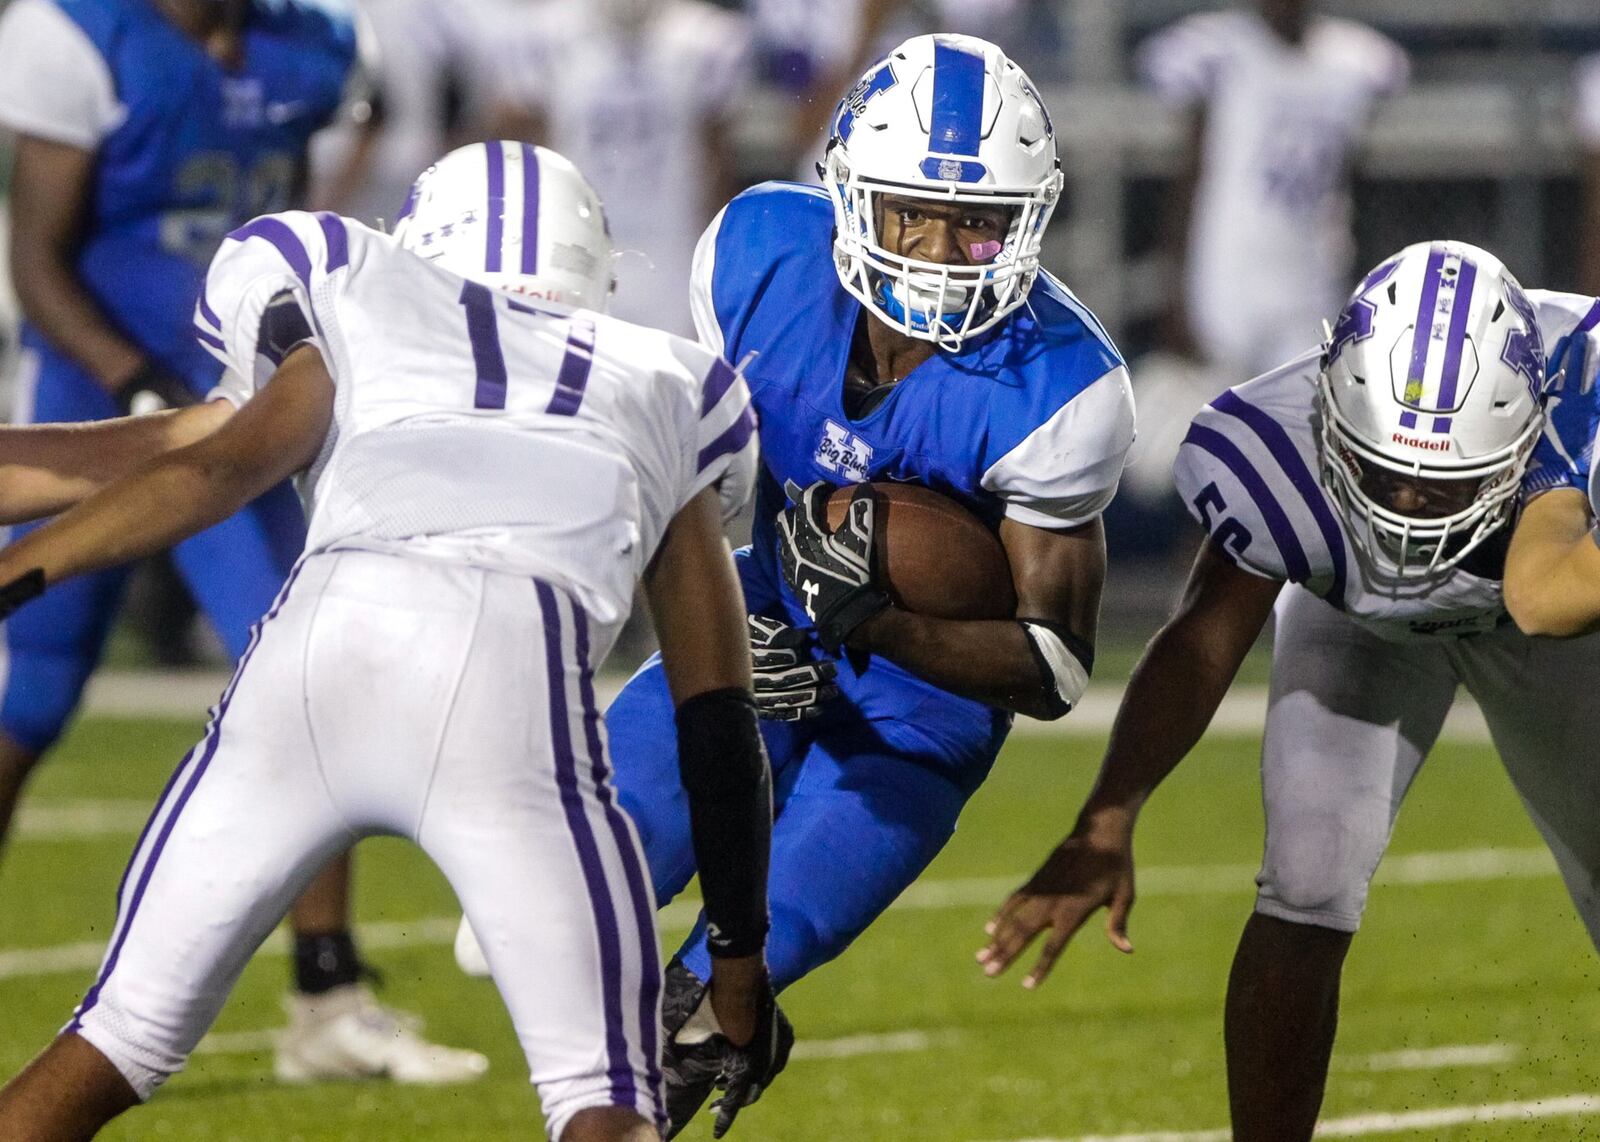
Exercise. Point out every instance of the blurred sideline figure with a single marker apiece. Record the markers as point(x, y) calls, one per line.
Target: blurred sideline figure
point(1259, 226)
point(427, 89)
point(1364, 493)
point(640, 94)
point(427, 670)
point(1586, 124)
point(145, 133)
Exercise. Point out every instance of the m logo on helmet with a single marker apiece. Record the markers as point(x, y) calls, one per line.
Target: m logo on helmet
point(1355, 322)
point(1524, 350)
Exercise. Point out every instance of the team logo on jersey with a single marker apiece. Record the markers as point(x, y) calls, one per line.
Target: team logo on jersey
point(843, 453)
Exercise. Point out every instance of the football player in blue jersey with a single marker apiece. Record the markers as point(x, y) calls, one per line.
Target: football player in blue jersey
point(1553, 567)
point(1363, 494)
point(146, 131)
point(895, 325)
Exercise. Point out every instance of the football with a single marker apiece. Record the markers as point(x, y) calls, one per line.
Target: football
point(935, 557)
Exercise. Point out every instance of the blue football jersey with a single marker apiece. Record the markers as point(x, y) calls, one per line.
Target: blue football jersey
point(194, 149)
point(1031, 420)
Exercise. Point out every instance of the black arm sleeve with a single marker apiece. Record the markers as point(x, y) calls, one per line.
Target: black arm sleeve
point(724, 767)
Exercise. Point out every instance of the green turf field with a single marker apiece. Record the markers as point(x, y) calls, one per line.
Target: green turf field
point(904, 1038)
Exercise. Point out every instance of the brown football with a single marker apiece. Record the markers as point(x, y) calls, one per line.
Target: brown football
point(935, 556)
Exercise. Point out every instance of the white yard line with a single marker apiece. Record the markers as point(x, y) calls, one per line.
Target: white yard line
point(1461, 866)
point(1364, 1125)
point(75, 820)
point(1435, 1058)
point(156, 694)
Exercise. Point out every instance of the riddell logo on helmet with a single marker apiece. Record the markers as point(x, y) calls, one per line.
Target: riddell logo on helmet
point(1418, 442)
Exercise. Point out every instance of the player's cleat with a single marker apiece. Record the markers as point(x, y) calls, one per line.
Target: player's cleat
point(346, 1033)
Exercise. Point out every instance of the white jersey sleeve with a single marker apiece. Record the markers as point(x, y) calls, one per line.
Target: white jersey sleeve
point(721, 448)
point(278, 260)
point(1065, 472)
point(1181, 62)
point(54, 83)
point(706, 325)
point(1247, 473)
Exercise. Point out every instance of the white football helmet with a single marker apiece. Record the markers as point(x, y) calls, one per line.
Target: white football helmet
point(517, 217)
point(952, 120)
point(1430, 406)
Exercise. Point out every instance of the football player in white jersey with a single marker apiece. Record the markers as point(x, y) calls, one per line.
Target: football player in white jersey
point(1553, 566)
point(1259, 228)
point(487, 467)
point(640, 95)
point(1375, 477)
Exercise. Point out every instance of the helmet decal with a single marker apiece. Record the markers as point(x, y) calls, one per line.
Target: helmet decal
point(1442, 311)
point(956, 124)
point(1355, 322)
point(1524, 350)
point(854, 104)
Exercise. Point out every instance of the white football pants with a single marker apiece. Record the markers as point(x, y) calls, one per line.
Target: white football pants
point(439, 702)
point(1351, 718)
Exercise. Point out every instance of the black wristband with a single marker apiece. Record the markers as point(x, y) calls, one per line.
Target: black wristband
point(723, 763)
point(28, 585)
point(161, 388)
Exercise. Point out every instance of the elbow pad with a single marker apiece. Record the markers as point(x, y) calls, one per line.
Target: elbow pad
point(1065, 661)
point(723, 764)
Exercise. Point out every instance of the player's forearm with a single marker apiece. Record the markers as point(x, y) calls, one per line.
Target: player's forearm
point(988, 661)
point(1170, 700)
point(47, 468)
point(54, 300)
point(170, 499)
point(1552, 584)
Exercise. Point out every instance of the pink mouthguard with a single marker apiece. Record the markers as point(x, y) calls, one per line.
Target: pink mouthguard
point(983, 251)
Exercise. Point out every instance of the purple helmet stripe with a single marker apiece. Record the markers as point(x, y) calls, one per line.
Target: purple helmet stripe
point(496, 207)
point(624, 1091)
point(639, 890)
point(1422, 332)
point(1454, 341)
point(530, 210)
point(1277, 520)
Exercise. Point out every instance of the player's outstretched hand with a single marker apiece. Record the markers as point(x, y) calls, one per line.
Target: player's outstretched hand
point(830, 571)
point(1564, 454)
point(748, 1070)
point(789, 684)
point(152, 389)
point(1087, 872)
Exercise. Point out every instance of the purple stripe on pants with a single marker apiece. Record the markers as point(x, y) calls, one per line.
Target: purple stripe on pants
point(638, 887)
point(624, 1092)
point(213, 736)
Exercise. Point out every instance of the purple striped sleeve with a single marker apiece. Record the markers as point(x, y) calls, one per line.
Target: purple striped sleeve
point(284, 239)
point(1277, 520)
point(718, 381)
point(338, 240)
point(732, 440)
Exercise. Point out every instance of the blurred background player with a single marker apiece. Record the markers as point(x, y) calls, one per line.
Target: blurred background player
point(427, 88)
point(640, 95)
point(1586, 125)
point(900, 328)
point(1259, 227)
point(1553, 566)
point(145, 132)
point(1378, 478)
point(420, 541)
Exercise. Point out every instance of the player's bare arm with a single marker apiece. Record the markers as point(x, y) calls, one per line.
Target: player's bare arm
point(185, 491)
point(1552, 581)
point(699, 613)
point(47, 468)
point(50, 184)
point(1171, 698)
point(1058, 576)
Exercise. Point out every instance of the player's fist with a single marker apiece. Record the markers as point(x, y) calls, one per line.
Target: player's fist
point(830, 571)
point(789, 684)
point(152, 389)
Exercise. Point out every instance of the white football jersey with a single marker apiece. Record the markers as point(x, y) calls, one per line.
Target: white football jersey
point(1586, 101)
point(474, 426)
point(631, 113)
point(1249, 471)
point(1271, 225)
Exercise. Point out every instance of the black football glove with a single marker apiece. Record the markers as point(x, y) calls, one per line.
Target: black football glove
point(830, 571)
point(28, 585)
point(152, 389)
point(789, 685)
point(748, 1071)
